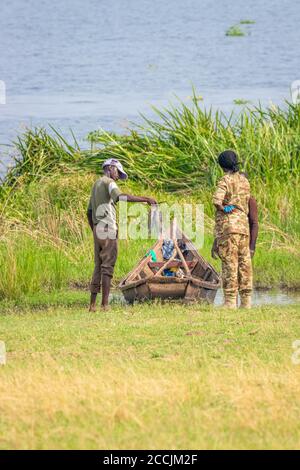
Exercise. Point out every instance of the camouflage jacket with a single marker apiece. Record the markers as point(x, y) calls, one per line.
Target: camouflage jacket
point(232, 189)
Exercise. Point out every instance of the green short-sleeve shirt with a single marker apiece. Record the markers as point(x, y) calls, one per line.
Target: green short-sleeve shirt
point(104, 196)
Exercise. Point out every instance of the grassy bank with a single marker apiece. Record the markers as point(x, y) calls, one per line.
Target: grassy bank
point(45, 242)
point(152, 375)
point(143, 377)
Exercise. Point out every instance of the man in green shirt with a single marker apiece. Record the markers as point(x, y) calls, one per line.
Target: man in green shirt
point(102, 218)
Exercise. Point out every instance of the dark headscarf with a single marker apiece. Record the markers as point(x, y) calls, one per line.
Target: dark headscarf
point(228, 160)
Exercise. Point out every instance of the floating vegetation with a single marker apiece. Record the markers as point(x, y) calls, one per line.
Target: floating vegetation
point(152, 67)
point(247, 22)
point(234, 31)
point(239, 101)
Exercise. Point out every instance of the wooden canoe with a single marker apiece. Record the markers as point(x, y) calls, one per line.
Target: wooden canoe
point(199, 282)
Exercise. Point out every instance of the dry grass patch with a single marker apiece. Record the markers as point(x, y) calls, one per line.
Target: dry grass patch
point(137, 378)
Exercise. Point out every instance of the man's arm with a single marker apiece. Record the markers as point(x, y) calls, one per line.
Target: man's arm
point(90, 218)
point(89, 215)
point(131, 198)
point(220, 194)
point(117, 195)
point(253, 224)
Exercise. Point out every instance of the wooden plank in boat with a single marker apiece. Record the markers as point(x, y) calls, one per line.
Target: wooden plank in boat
point(173, 264)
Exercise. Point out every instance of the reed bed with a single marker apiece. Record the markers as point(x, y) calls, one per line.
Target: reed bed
point(178, 149)
point(45, 241)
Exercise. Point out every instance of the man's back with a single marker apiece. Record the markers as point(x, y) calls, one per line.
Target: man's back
point(104, 195)
point(233, 189)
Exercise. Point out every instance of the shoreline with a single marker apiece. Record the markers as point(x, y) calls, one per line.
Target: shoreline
point(79, 297)
point(84, 286)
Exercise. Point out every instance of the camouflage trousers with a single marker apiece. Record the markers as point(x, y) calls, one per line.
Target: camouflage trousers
point(233, 249)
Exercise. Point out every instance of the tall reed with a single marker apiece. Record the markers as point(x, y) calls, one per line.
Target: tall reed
point(178, 149)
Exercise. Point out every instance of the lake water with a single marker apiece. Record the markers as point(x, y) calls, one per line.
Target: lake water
point(259, 297)
point(98, 63)
point(268, 297)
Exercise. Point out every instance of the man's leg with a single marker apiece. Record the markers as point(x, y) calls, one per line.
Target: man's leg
point(108, 256)
point(96, 279)
point(93, 300)
point(228, 252)
point(245, 272)
point(106, 283)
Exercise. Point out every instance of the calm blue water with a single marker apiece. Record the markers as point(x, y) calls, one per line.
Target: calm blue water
point(86, 64)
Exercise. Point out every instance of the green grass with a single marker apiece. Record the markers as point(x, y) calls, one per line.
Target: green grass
point(45, 242)
point(153, 375)
point(148, 376)
point(175, 151)
point(40, 153)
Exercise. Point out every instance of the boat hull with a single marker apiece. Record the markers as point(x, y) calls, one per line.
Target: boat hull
point(170, 289)
point(197, 279)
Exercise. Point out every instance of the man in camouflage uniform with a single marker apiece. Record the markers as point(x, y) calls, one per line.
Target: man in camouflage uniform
point(231, 200)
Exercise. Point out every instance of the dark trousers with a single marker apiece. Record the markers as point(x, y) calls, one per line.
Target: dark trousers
point(105, 256)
